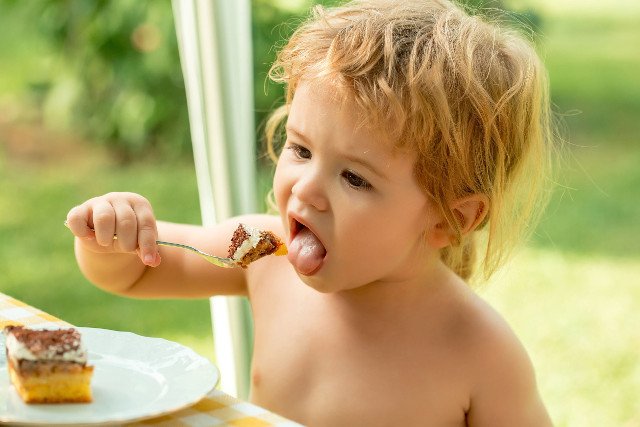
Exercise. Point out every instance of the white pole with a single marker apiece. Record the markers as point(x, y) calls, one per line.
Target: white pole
point(214, 38)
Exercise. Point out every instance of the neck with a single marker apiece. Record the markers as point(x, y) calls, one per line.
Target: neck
point(397, 294)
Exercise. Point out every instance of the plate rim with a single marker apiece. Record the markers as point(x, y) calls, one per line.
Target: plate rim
point(11, 418)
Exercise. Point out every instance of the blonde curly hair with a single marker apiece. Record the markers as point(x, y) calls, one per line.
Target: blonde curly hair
point(468, 94)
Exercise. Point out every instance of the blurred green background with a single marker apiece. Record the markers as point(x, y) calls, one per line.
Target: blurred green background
point(92, 100)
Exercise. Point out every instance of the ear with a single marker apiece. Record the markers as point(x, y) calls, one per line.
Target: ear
point(469, 211)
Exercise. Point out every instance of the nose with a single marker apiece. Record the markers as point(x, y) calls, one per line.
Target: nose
point(309, 189)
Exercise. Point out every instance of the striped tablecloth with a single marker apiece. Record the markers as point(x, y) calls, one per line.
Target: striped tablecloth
point(216, 409)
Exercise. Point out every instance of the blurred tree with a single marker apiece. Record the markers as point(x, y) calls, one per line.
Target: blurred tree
point(526, 20)
point(271, 25)
point(120, 72)
point(118, 78)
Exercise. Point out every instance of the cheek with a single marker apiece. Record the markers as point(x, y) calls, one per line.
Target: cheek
point(280, 186)
point(395, 228)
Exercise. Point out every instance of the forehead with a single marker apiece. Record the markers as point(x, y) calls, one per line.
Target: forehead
point(324, 109)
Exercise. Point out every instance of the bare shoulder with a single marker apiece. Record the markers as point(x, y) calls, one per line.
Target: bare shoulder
point(504, 391)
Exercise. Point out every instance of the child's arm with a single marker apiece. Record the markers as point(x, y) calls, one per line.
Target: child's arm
point(135, 266)
point(507, 393)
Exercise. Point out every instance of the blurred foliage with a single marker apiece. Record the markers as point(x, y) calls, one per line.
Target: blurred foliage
point(271, 25)
point(118, 70)
point(526, 20)
point(116, 77)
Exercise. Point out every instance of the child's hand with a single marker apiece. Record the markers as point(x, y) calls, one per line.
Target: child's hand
point(128, 216)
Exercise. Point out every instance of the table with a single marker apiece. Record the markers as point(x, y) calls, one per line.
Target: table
point(215, 409)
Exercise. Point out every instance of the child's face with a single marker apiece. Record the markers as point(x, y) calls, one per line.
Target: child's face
point(351, 205)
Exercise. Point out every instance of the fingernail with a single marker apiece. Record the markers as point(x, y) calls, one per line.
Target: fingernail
point(148, 259)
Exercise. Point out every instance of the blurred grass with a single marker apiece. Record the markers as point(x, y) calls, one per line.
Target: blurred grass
point(578, 317)
point(573, 296)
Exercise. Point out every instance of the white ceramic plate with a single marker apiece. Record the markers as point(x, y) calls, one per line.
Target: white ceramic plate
point(135, 378)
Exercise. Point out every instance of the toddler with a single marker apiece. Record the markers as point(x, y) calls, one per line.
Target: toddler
point(409, 127)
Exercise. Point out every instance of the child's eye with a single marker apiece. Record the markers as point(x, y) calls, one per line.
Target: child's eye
point(299, 151)
point(356, 181)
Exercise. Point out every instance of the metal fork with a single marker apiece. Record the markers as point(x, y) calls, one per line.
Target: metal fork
point(215, 260)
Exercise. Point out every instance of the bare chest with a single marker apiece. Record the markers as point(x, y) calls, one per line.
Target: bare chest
point(322, 367)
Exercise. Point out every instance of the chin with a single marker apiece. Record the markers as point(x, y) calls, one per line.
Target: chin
point(319, 283)
point(326, 285)
point(315, 283)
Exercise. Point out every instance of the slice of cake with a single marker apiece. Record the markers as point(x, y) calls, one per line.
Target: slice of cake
point(249, 244)
point(48, 366)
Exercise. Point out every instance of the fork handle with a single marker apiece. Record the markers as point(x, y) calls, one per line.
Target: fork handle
point(216, 260)
point(177, 245)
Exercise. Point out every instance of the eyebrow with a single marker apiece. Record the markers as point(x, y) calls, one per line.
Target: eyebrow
point(298, 134)
point(351, 158)
point(366, 165)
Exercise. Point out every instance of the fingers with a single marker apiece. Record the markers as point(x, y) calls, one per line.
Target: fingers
point(147, 233)
point(104, 221)
point(126, 227)
point(77, 223)
point(125, 215)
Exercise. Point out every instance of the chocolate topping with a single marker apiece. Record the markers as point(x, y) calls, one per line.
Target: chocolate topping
point(38, 341)
point(239, 236)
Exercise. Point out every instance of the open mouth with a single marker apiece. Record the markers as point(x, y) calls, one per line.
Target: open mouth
point(294, 228)
point(306, 251)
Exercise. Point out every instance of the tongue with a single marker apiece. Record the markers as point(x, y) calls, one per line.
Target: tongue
point(306, 252)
